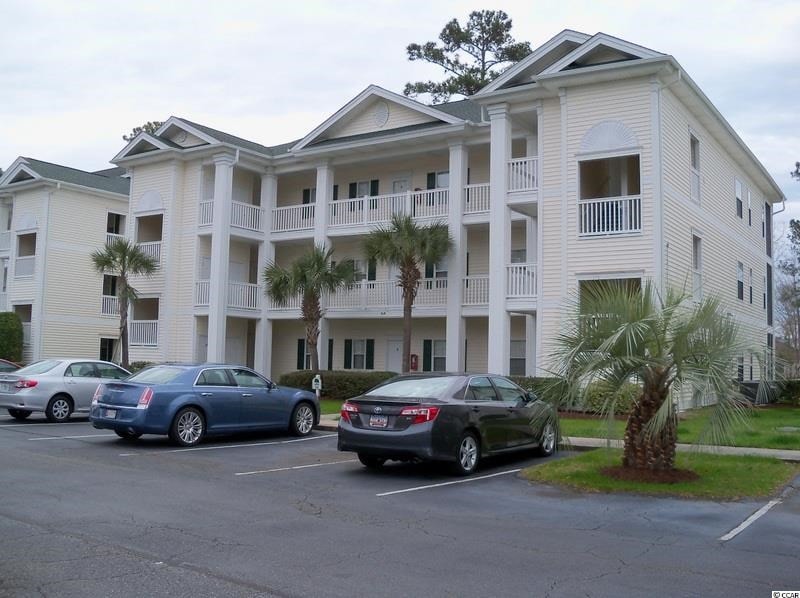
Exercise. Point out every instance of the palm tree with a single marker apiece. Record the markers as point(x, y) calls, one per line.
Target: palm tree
point(619, 334)
point(310, 276)
point(408, 246)
point(123, 259)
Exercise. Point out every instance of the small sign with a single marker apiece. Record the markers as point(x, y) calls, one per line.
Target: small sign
point(316, 383)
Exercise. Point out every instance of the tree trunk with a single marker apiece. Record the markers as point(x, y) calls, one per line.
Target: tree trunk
point(409, 280)
point(649, 451)
point(122, 297)
point(311, 315)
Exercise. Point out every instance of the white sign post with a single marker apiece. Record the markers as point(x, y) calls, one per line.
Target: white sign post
point(316, 384)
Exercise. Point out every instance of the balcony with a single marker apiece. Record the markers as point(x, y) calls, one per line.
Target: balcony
point(151, 248)
point(379, 209)
point(610, 216)
point(241, 295)
point(476, 290)
point(521, 280)
point(243, 215)
point(522, 174)
point(382, 294)
point(476, 198)
point(109, 305)
point(293, 218)
point(25, 266)
point(5, 240)
point(143, 333)
point(112, 237)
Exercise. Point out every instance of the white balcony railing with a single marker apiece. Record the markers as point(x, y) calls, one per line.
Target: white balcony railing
point(290, 218)
point(611, 216)
point(380, 294)
point(379, 209)
point(143, 333)
point(521, 280)
point(476, 290)
point(292, 303)
point(205, 213)
point(151, 248)
point(112, 237)
point(26, 334)
point(24, 266)
point(247, 216)
point(201, 292)
point(476, 198)
point(5, 240)
point(522, 174)
point(109, 305)
point(244, 295)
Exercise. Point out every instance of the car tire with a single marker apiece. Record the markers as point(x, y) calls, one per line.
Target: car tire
point(19, 414)
point(547, 441)
point(127, 435)
point(188, 427)
point(58, 409)
point(371, 461)
point(468, 455)
point(302, 420)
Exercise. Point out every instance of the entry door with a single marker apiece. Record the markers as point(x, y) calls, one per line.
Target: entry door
point(399, 203)
point(394, 355)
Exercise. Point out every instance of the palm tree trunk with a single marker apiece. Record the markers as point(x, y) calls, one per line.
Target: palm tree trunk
point(649, 451)
point(409, 280)
point(311, 315)
point(122, 297)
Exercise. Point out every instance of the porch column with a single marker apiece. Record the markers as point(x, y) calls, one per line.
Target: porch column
point(499, 348)
point(531, 256)
point(459, 163)
point(262, 359)
point(321, 211)
point(220, 251)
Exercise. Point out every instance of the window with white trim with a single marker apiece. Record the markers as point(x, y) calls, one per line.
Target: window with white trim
point(310, 195)
point(694, 150)
point(439, 356)
point(740, 280)
point(516, 366)
point(519, 256)
point(739, 192)
point(359, 353)
point(697, 267)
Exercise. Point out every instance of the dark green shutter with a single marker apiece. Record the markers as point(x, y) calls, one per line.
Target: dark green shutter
point(352, 190)
point(301, 353)
point(330, 353)
point(373, 187)
point(468, 176)
point(428, 269)
point(348, 353)
point(431, 180)
point(369, 361)
point(306, 196)
point(465, 356)
point(371, 270)
point(335, 192)
point(427, 354)
point(467, 265)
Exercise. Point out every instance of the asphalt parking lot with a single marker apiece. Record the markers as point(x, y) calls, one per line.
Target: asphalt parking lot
point(84, 513)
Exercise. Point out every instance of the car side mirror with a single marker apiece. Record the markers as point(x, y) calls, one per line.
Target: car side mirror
point(530, 397)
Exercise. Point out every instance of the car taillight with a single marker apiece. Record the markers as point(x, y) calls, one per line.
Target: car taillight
point(144, 400)
point(347, 409)
point(26, 383)
point(98, 392)
point(420, 414)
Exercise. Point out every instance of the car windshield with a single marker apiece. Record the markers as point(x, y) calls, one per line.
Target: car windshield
point(39, 367)
point(412, 388)
point(156, 375)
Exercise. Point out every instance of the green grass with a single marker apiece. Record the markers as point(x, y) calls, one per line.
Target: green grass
point(722, 477)
point(760, 429)
point(330, 406)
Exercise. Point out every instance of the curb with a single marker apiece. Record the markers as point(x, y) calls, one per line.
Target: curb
point(324, 426)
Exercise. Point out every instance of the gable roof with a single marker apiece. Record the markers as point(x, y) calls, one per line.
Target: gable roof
point(631, 50)
point(101, 180)
point(222, 137)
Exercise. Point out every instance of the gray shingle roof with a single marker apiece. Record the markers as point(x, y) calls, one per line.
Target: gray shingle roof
point(464, 109)
point(382, 133)
point(102, 180)
point(239, 142)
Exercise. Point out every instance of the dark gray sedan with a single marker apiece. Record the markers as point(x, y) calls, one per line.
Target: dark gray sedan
point(459, 418)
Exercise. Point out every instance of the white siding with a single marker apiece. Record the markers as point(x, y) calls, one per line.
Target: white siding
point(363, 119)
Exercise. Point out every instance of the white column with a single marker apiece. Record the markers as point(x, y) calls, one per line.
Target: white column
point(220, 251)
point(262, 355)
point(324, 198)
point(499, 240)
point(531, 250)
point(456, 269)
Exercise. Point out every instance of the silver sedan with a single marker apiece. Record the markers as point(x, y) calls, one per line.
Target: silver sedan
point(57, 387)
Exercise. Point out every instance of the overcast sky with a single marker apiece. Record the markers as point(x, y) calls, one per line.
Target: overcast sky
point(75, 76)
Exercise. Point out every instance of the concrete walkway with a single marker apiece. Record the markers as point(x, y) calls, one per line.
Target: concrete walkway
point(329, 423)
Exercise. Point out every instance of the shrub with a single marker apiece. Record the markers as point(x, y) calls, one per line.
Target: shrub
point(788, 391)
point(337, 384)
point(599, 396)
point(138, 365)
point(10, 336)
point(533, 383)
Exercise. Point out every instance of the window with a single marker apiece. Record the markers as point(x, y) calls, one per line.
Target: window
point(518, 256)
point(438, 180)
point(763, 223)
point(115, 223)
point(751, 366)
point(740, 369)
point(310, 195)
point(248, 379)
point(480, 389)
point(364, 188)
point(740, 280)
point(764, 294)
point(439, 356)
point(109, 285)
point(694, 145)
point(81, 370)
point(359, 354)
point(303, 356)
point(111, 372)
point(516, 366)
point(749, 209)
point(365, 270)
point(509, 391)
point(739, 195)
point(215, 377)
point(107, 346)
point(697, 267)
point(615, 180)
point(751, 286)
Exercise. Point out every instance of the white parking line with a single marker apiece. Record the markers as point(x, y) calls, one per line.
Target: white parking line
point(20, 425)
point(295, 467)
point(482, 477)
point(225, 446)
point(71, 437)
point(749, 521)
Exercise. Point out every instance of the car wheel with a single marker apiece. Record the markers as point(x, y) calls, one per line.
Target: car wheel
point(58, 409)
point(547, 441)
point(302, 421)
point(19, 414)
point(128, 435)
point(468, 454)
point(188, 427)
point(371, 461)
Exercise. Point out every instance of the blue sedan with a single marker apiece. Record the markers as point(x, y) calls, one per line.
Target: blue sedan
point(188, 402)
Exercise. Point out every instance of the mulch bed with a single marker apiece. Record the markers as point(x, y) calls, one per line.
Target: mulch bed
point(629, 474)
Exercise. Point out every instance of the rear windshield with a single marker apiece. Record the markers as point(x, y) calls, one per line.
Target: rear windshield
point(413, 388)
point(156, 375)
point(39, 367)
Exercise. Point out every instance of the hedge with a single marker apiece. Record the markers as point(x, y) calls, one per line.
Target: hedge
point(599, 396)
point(337, 384)
point(788, 391)
point(10, 336)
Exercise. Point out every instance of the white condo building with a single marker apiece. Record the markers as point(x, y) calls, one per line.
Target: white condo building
point(591, 159)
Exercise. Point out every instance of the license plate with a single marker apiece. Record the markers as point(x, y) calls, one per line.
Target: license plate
point(5, 386)
point(378, 421)
point(111, 413)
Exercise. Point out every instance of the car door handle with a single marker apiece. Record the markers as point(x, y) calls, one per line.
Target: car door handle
point(206, 394)
point(247, 394)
